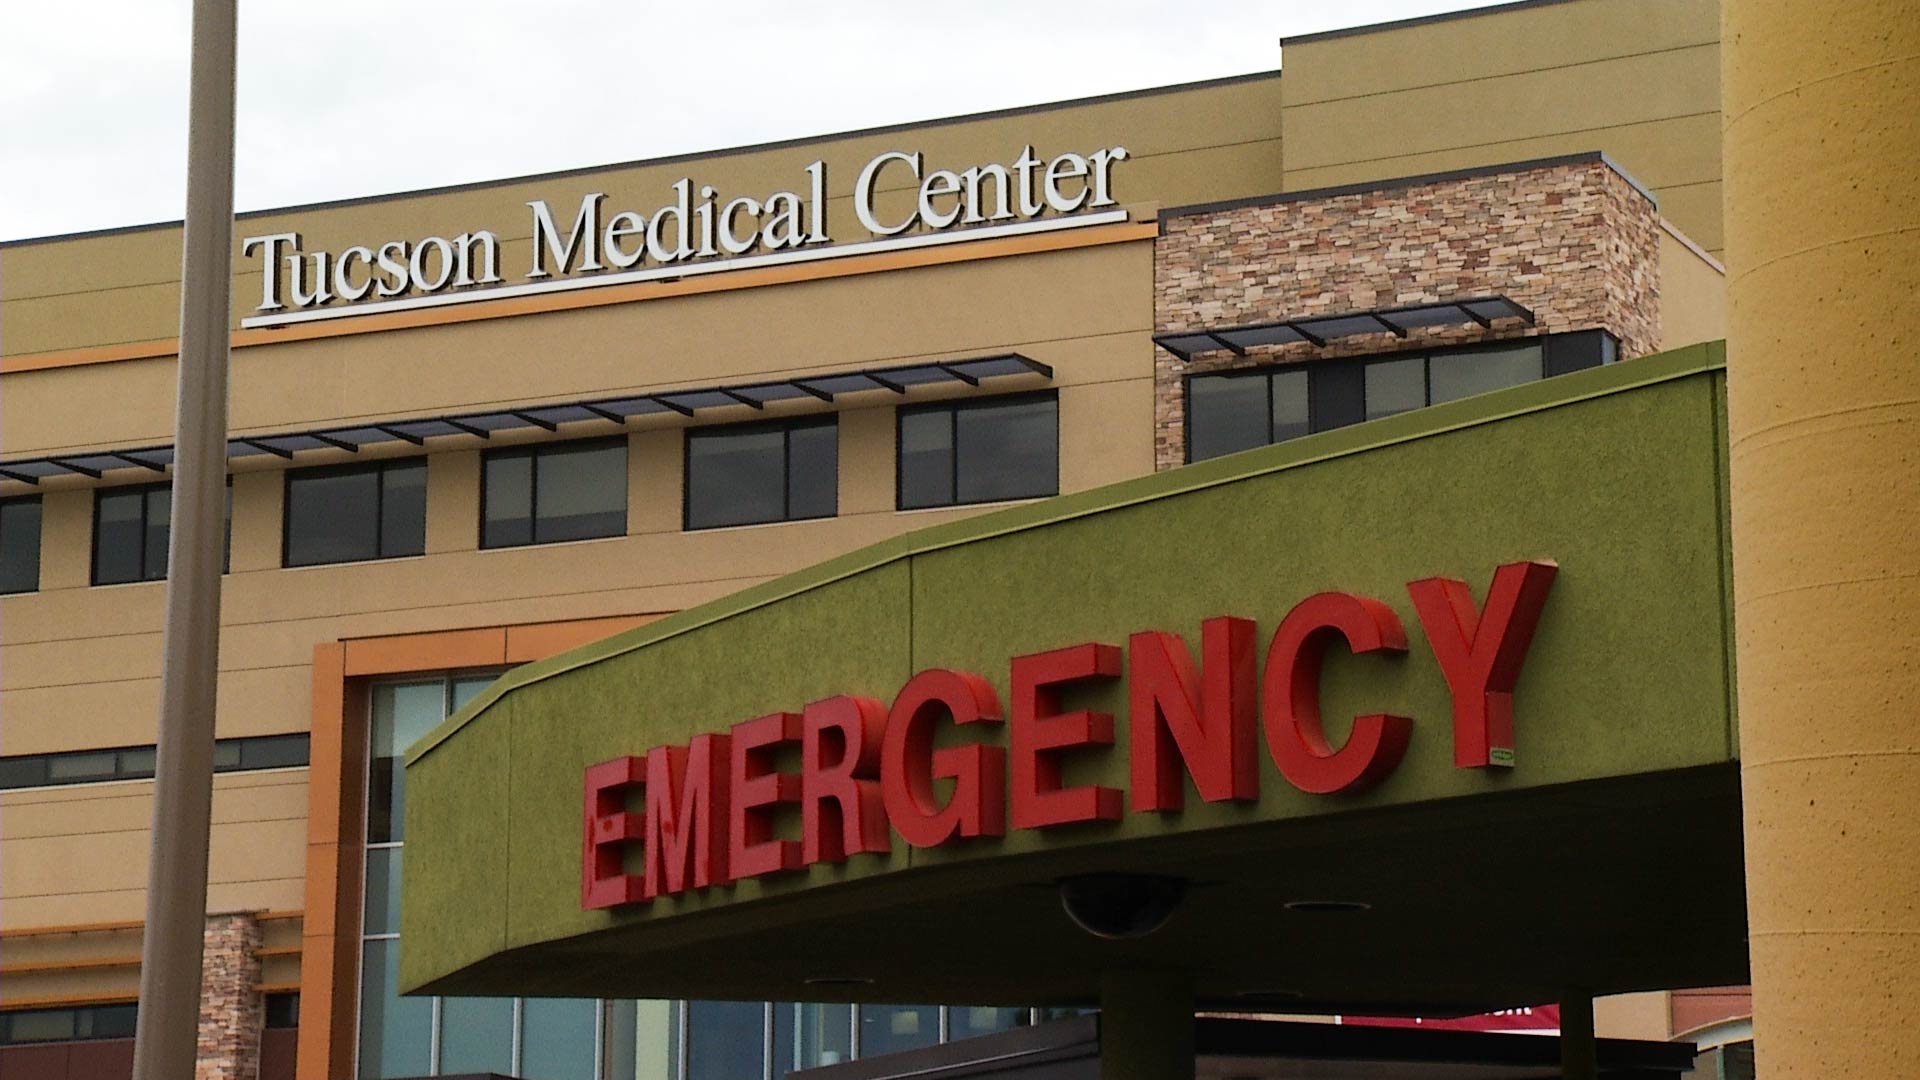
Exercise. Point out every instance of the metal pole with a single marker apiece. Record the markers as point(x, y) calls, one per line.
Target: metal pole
point(168, 1026)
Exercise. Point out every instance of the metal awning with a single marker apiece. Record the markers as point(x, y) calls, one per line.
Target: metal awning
point(616, 410)
point(1320, 329)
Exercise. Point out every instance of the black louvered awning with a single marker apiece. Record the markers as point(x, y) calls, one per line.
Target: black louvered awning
point(617, 410)
point(1320, 329)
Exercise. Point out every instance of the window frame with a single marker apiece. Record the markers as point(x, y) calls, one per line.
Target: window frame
point(1606, 347)
point(786, 427)
point(144, 491)
point(39, 534)
point(242, 760)
point(533, 452)
point(380, 469)
point(953, 407)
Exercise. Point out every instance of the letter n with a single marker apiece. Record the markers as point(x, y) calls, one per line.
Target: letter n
point(1207, 720)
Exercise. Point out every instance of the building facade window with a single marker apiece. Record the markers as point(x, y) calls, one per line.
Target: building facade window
point(351, 513)
point(1232, 411)
point(20, 544)
point(533, 1038)
point(956, 453)
point(547, 494)
point(20, 1027)
point(136, 762)
point(130, 527)
point(750, 474)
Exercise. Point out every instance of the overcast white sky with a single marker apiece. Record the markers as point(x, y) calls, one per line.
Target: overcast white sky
point(342, 98)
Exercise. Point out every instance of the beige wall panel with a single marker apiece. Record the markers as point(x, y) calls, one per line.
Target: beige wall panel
point(258, 846)
point(1667, 86)
point(1105, 432)
point(1696, 210)
point(130, 405)
point(867, 461)
point(1477, 46)
point(110, 712)
point(264, 701)
point(69, 320)
point(79, 810)
point(256, 525)
point(1693, 295)
point(453, 501)
point(655, 475)
point(1153, 127)
point(1632, 1016)
point(66, 544)
point(36, 665)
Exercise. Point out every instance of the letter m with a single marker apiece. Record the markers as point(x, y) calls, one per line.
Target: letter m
point(686, 841)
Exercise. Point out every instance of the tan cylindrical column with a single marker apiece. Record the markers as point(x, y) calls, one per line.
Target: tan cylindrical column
point(1822, 122)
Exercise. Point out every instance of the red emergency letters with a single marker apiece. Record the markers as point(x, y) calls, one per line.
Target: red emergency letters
point(714, 811)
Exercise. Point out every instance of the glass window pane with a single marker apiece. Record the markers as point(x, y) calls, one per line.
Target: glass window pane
point(66, 768)
point(19, 545)
point(736, 477)
point(725, 1040)
point(464, 690)
point(402, 712)
point(383, 892)
point(476, 1035)
point(1007, 451)
point(394, 1031)
point(273, 751)
point(1395, 386)
point(926, 458)
point(159, 516)
point(403, 510)
point(117, 538)
point(108, 1021)
point(226, 754)
point(813, 471)
point(508, 499)
point(1458, 375)
point(556, 1039)
point(580, 492)
point(138, 762)
point(807, 1035)
point(28, 770)
point(887, 1028)
point(332, 515)
point(1225, 414)
point(1290, 413)
point(40, 1025)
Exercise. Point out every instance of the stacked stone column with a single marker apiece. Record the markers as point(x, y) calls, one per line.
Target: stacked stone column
point(231, 1010)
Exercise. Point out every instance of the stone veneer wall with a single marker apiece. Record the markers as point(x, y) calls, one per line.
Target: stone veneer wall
point(1571, 239)
point(232, 1012)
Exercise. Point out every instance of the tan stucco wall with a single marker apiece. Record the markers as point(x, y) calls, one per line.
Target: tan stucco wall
point(1823, 398)
point(1639, 79)
point(1693, 291)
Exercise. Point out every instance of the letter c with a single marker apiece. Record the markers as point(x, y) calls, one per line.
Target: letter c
point(863, 193)
point(1291, 695)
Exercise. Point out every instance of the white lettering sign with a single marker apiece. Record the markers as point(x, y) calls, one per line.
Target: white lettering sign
point(897, 199)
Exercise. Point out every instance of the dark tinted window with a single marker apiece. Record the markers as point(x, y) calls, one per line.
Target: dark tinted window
point(1396, 386)
point(20, 544)
point(1463, 374)
point(68, 1024)
point(747, 474)
point(136, 762)
point(283, 1010)
point(1232, 412)
point(130, 533)
point(564, 491)
point(990, 450)
point(355, 512)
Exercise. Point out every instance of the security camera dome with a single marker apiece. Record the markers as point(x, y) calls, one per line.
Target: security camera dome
point(1121, 906)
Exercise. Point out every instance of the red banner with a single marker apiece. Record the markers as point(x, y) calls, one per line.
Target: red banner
point(1540, 1019)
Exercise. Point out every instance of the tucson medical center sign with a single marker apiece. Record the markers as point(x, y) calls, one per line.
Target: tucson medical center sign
point(698, 229)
